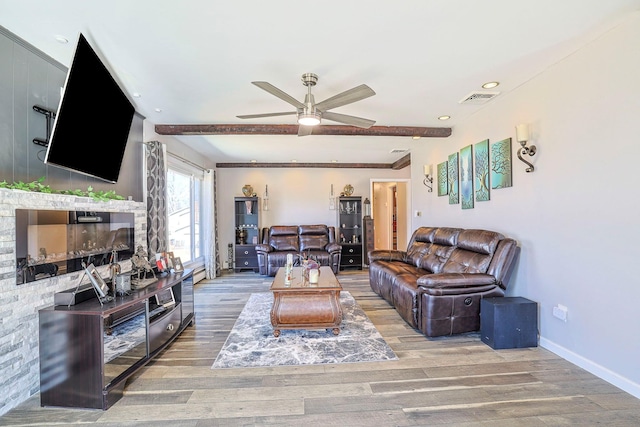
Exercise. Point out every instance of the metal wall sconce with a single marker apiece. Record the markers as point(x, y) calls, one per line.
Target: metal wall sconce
point(265, 199)
point(332, 200)
point(522, 135)
point(428, 178)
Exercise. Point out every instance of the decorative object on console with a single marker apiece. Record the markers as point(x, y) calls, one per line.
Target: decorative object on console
point(247, 190)
point(140, 266)
point(501, 164)
point(428, 178)
point(522, 135)
point(114, 267)
point(348, 190)
point(123, 284)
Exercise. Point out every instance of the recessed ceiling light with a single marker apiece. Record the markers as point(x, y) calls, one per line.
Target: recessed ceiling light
point(444, 117)
point(62, 39)
point(135, 95)
point(490, 85)
point(294, 161)
point(415, 137)
point(334, 161)
point(158, 110)
point(253, 160)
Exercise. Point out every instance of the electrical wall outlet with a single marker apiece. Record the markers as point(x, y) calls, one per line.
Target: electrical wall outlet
point(560, 311)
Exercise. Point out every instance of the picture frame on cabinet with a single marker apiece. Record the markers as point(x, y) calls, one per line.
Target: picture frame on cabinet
point(177, 265)
point(97, 281)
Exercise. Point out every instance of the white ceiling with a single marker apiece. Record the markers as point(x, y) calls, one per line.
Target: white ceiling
point(195, 59)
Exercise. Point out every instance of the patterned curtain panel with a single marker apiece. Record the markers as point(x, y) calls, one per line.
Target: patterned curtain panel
point(209, 226)
point(215, 224)
point(156, 198)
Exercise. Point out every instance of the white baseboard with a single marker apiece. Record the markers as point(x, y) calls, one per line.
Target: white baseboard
point(588, 365)
point(198, 275)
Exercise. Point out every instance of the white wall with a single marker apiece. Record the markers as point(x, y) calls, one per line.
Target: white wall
point(576, 215)
point(296, 195)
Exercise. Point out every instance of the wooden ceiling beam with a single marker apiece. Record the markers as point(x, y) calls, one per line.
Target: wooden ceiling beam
point(309, 165)
point(257, 129)
point(401, 163)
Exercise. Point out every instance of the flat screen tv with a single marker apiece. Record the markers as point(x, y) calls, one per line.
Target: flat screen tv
point(93, 120)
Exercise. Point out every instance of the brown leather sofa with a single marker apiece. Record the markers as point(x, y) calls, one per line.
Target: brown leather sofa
point(316, 241)
point(436, 284)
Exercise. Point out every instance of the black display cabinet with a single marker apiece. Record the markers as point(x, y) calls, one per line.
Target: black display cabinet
point(350, 231)
point(247, 223)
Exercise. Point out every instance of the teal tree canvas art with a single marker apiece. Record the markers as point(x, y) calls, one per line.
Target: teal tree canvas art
point(481, 170)
point(466, 177)
point(443, 179)
point(452, 167)
point(501, 164)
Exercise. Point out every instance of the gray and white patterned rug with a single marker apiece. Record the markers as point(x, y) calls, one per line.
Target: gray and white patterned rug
point(251, 342)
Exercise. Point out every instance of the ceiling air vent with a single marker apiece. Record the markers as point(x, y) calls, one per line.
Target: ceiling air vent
point(398, 150)
point(477, 98)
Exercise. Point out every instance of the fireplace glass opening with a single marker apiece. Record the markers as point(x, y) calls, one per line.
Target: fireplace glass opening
point(51, 242)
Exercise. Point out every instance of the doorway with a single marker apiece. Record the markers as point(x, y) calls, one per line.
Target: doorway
point(390, 207)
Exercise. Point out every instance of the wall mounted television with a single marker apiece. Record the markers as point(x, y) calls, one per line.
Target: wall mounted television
point(93, 120)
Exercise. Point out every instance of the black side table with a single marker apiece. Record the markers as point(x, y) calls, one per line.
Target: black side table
point(509, 322)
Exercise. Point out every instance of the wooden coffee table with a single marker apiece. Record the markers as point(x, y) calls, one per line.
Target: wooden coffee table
point(302, 305)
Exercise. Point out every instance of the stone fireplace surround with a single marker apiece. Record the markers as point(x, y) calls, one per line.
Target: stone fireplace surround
point(19, 304)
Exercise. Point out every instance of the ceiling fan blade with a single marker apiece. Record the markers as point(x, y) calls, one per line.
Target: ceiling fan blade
point(256, 116)
point(347, 97)
point(348, 120)
point(280, 94)
point(304, 130)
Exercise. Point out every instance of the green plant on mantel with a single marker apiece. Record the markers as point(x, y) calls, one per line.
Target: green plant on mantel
point(37, 186)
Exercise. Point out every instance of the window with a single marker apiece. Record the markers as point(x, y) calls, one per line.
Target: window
point(184, 194)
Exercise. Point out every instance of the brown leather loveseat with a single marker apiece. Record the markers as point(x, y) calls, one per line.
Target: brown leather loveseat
point(436, 284)
point(316, 241)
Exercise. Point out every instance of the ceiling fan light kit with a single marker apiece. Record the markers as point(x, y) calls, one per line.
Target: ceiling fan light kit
point(309, 119)
point(311, 114)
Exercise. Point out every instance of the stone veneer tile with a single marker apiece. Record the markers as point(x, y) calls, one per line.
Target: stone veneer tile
point(19, 304)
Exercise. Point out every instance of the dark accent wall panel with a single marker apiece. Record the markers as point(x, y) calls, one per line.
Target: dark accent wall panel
point(29, 77)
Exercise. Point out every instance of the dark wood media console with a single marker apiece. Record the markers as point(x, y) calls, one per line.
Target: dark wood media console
point(74, 368)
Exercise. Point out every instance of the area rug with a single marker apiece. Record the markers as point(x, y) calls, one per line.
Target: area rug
point(251, 342)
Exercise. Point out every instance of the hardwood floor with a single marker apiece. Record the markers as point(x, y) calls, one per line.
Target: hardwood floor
point(451, 381)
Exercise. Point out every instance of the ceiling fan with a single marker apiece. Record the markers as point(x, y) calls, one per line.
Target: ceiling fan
point(309, 113)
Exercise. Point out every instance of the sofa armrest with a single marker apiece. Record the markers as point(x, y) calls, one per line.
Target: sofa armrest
point(264, 248)
point(456, 283)
point(386, 255)
point(333, 248)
